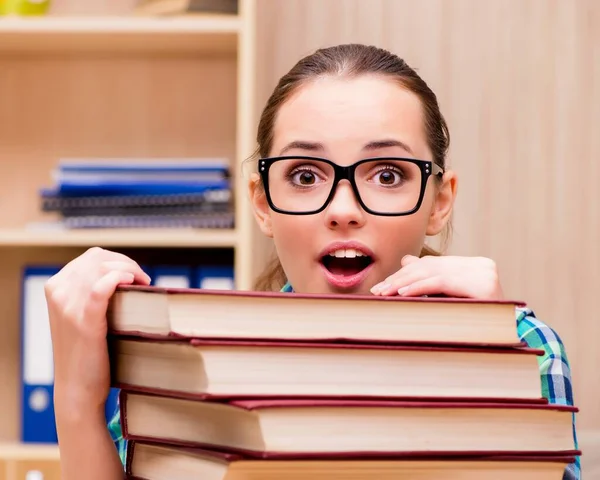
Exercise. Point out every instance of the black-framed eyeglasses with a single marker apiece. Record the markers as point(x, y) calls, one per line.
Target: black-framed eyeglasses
point(304, 185)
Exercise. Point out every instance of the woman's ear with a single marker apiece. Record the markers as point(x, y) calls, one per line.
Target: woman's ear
point(260, 205)
point(443, 203)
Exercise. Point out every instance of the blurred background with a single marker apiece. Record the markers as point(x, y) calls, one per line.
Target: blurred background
point(517, 80)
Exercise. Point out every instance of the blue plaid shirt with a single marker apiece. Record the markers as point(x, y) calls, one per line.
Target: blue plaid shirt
point(554, 370)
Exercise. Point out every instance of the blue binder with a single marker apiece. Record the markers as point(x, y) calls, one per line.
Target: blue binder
point(169, 276)
point(37, 364)
point(215, 277)
point(148, 270)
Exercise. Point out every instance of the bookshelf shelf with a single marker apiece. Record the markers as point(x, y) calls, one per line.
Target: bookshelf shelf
point(216, 34)
point(119, 238)
point(21, 451)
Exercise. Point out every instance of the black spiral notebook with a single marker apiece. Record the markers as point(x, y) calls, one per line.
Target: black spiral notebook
point(196, 220)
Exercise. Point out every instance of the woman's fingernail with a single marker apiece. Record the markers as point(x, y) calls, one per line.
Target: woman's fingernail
point(403, 290)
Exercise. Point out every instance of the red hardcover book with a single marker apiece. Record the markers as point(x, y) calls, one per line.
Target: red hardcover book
point(151, 461)
point(200, 313)
point(341, 429)
point(220, 369)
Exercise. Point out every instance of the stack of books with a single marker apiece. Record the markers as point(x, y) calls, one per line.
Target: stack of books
point(246, 385)
point(140, 193)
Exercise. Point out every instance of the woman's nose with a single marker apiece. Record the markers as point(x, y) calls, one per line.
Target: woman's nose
point(344, 211)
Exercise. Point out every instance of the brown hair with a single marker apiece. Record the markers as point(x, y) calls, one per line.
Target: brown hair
point(350, 60)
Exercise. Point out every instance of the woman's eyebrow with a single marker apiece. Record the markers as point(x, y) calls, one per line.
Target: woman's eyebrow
point(315, 146)
point(387, 143)
point(302, 145)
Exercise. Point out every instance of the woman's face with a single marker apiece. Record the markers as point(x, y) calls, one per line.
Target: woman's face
point(344, 249)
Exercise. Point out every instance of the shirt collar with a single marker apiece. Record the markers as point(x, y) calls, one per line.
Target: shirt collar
point(287, 288)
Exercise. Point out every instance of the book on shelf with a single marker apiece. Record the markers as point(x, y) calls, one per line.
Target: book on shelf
point(135, 176)
point(345, 428)
point(192, 313)
point(140, 193)
point(150, 461)
point(37, 423)
point(179, 276)
point(204, 202)
point(216, 220)
point(141, 165)
point(204, 276)
point(209, 369)
point(140, 187)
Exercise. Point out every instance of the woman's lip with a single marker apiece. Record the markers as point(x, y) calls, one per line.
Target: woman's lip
point(346, 281)
point(350, 244)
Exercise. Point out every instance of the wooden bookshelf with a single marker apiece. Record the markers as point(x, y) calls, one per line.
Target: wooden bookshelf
point(106, 86)
point(18, 451)
point(19, 462)
point(210, 34)
point(147, 237)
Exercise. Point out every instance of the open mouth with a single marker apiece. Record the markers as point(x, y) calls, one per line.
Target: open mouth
point(346, 262)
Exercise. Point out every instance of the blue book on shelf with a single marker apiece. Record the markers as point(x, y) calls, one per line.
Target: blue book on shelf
point(151, 165)
point(172, 276)
point(142, 187)
point(148, 270)
point(149, 176)
point(37, 365)
point(215, 277)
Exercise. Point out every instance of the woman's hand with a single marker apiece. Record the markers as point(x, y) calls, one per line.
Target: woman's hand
point(77, 299)
point(470, 277)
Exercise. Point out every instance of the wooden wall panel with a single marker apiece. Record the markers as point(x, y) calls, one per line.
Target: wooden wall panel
point(519, 83)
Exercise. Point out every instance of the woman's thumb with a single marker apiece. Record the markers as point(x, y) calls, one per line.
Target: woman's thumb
point(408, 259)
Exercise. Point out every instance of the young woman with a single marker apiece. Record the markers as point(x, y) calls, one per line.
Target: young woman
point(350, 180)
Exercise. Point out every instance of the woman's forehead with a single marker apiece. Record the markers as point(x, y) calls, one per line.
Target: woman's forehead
point(339, 114)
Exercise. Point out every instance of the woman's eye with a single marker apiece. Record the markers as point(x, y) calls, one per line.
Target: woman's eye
point(304, 178)
point(388, 177)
